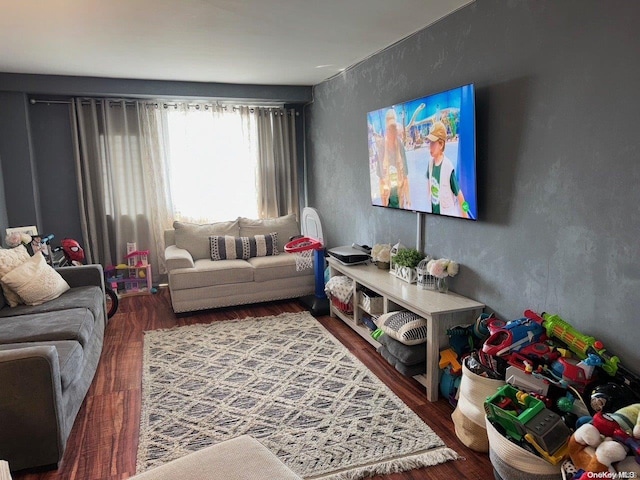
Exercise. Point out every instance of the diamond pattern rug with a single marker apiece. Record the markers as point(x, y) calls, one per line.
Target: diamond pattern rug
point(287, 382)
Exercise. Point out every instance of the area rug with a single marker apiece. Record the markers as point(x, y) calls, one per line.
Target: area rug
point(286, 381)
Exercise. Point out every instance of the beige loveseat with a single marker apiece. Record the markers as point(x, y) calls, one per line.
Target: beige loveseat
point(197, 282)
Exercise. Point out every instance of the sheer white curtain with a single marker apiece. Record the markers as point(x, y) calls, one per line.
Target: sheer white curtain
point(142, 164)
point(122, 181)
point(212, 154)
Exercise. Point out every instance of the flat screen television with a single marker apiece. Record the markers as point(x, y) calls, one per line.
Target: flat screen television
point(422, 154)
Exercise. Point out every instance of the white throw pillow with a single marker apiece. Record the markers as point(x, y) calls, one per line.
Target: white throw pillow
point(194, 238)
point(11, 258)
point(35, 281)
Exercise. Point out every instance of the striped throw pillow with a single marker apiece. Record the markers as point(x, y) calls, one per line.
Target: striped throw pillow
point(405, 327)
point(230, 248)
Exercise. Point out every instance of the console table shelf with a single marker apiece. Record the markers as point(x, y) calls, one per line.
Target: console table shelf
point(441, 311)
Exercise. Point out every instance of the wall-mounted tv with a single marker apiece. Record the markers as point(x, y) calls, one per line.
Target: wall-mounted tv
point(422, 154)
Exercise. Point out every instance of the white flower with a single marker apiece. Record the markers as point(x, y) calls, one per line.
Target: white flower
point(381, 252)
point(442, 268)
point(452, 268)
point(438, 268)
point(16, 238)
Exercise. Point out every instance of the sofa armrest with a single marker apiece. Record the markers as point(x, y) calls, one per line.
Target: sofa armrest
point(83, 275)
point(177, 258)
point(30, 407)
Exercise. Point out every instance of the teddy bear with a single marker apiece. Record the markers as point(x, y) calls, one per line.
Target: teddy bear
point(592, 448)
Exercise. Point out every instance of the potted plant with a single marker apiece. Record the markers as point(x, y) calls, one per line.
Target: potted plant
point(406, 261)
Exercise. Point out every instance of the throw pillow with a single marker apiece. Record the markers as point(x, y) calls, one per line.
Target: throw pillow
point(406, 327)
point(407, 354)
point(11, 258)
point(285, 226)
point(194, 238)
point(406, 370)
point(35, 281)
point(231, 248)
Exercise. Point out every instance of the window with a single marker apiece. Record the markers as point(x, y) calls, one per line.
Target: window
point(212, 164)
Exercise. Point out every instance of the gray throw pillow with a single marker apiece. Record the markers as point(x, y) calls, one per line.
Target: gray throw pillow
point(407, 354)
point(406, 370)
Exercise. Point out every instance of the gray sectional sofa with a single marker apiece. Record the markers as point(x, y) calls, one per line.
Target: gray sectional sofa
point(197, 282)
point(48, 357)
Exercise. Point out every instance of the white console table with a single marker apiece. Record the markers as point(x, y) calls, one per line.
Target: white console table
point(441, 310)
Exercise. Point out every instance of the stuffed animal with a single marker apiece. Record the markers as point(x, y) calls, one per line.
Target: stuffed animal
point(592, 446)
point(592, 452)
point(626, 419)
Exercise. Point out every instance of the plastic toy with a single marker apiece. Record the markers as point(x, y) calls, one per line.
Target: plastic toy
point(580, 344)
point(610, 397)
point(513, 336)
point(132, 277)
point(449, 357)
point(571, 371)
point(449, 385)
point(520, 379)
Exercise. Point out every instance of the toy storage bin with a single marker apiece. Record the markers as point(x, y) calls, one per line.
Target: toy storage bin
point(512, 462)
point(371, 302)
point(343, 307)
point(469, 416)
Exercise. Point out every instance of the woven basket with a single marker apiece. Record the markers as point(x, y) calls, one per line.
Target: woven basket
point(511, 462)
point(469, 416)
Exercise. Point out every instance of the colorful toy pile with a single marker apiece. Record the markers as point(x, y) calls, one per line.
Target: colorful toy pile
point(567, 399)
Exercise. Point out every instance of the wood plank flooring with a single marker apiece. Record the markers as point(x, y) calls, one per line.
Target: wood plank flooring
point(104, 438)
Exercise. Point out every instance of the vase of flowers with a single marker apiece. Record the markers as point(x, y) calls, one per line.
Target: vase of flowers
point(381, 255)
point(15, 238)
point(441, 269)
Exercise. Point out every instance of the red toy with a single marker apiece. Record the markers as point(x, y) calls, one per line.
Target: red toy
point(72, 250)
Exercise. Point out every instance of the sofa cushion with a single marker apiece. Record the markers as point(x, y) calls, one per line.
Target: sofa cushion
point(35, 281)
point(208, 273)
point(90, 297)
point(230, 248)
point(73, 324)
point(279, 266)
point(285, 226)
point(11, 258)
point(195, 238)
point(70, 357)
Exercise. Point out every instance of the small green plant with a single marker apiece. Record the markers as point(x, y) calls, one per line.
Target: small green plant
point(408, 257)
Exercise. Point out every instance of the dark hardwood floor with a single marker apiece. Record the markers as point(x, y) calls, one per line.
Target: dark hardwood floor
point(104, 439)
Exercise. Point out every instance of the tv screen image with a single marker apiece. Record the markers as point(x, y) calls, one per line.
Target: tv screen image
point(422, 154)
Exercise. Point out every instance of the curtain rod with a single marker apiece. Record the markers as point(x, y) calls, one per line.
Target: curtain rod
point(157, 103)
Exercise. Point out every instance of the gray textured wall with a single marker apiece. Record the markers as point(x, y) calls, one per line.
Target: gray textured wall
point(557, 110)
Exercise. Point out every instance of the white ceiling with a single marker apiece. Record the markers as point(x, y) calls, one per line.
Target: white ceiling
point(271, 42)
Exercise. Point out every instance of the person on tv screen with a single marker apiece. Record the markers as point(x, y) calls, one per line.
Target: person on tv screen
point(446, 196)
point(394, 183)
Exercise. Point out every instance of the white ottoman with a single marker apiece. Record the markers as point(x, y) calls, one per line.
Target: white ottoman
point(242, 458)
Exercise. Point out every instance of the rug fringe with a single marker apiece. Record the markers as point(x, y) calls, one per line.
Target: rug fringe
point(410, 462)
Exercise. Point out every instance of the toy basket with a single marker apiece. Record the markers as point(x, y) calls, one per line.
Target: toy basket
point(370, 302)
point(343, 307)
